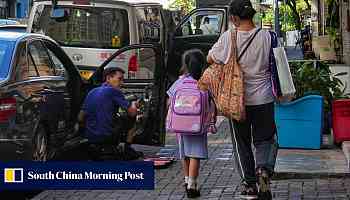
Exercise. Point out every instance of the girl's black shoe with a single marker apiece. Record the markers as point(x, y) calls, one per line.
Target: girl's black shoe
point(193, 193)
point(185, 185)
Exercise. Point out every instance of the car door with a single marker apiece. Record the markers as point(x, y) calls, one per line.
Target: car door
point(198, 30)
point(53, 93)
point(21, 92)
point(39, 100)
point(67, 83)
point(144, 80)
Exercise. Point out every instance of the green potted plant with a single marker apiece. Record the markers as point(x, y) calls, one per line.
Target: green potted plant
point(316, 78)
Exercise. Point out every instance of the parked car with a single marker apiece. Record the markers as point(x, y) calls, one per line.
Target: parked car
point(8, 22)
point(140, 21)
point(75, 26)
point(41, 93)
point(14, 28)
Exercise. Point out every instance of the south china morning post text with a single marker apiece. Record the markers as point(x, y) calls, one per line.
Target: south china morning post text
point(63, 175)
point(23, 175)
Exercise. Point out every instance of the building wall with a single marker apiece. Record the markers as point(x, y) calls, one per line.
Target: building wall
point(345, 29)
point(315, 17)
point(11, 8)
point(14, 8)
point(3, 9)
point(22, 8)
point(319, 12)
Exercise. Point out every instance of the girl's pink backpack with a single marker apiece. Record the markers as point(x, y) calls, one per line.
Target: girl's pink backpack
point(189, 111)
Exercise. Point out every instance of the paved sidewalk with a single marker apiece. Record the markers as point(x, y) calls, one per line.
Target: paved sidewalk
point(312, 163)
point(219, 180)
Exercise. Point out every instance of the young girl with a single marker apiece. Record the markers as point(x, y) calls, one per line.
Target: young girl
point(192, 148)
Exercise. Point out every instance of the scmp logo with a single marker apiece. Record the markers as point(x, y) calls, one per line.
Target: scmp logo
point(13, 175)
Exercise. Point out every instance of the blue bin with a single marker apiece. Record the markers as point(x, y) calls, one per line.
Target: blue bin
point(300, 122)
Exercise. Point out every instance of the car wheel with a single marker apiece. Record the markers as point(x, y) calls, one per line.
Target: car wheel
point(40, 145)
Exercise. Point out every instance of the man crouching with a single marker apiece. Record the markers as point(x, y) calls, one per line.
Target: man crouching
point(97, 113)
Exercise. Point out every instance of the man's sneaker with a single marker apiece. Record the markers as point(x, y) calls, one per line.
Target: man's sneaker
point(248, 191)
point(264, 184)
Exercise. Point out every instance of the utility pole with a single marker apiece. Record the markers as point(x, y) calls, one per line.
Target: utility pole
point(277, 19)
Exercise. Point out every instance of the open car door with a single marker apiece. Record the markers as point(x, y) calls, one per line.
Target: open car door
point(145, 80)
point(200, 29)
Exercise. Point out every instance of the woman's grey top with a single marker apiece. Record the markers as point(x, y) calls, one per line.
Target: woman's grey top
point(254, 63)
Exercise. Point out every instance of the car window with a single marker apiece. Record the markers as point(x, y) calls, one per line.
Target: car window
point(59, 69)
point(24, 70)
point(40, 59)
point(202, 23)
point(147, 63)
point(149, 21)
point(88, 27)
point(5, 57)
point(142, 63)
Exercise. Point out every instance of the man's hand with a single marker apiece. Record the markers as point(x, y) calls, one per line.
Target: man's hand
point(132, 110)
point(137, 103)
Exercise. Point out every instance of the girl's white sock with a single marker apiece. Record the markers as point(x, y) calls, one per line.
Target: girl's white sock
point(186, 179)
point(192, 182)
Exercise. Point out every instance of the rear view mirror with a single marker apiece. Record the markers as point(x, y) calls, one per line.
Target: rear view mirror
point(59, 14)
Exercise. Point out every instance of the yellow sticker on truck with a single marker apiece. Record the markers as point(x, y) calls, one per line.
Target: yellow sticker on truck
point(86, 74)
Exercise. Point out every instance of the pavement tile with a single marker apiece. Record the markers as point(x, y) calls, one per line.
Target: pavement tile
point(218, 180)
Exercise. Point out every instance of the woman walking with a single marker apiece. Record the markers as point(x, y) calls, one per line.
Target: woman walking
point(258, 127)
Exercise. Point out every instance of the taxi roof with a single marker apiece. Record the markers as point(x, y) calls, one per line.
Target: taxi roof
point(12, 36)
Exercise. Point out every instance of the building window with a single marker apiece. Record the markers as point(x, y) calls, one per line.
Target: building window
point(19, 10)
point(3, 9)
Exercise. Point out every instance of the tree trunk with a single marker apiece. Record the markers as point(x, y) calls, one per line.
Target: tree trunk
point(293, 6)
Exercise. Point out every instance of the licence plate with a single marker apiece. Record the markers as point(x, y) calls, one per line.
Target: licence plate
point(86, 74)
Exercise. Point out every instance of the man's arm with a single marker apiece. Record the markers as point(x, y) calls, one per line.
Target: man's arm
point(119, 98)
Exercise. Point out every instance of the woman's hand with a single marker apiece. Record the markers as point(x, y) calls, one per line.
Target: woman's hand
point(210, 60)
point(284, 99)
point(202, 86)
